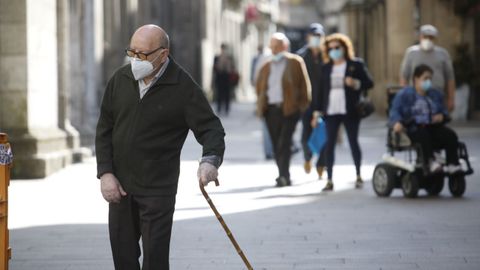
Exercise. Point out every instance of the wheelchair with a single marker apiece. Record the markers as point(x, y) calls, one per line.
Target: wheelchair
point(411, 172)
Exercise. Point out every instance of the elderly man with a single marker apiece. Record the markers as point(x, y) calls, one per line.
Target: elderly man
point(147, 110)
point(283, 89)
point(433, 56)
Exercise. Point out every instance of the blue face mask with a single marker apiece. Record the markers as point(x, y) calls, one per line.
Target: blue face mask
point(335, 54)
point(426, 85)
point(277, 57)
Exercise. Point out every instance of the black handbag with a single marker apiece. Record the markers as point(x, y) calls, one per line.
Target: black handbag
point(365, 106)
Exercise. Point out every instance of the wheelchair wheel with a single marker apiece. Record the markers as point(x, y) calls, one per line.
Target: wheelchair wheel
point(435, 185)
point(383, 179)
point(457, 185)
point(410, 185)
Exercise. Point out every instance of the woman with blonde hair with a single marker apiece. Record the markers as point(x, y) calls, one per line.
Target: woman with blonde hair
point(344, 79)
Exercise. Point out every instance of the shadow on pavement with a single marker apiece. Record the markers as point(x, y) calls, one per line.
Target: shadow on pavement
point(343, 231)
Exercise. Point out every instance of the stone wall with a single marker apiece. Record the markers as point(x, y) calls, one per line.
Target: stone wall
point(29, 89)
point(57, 55)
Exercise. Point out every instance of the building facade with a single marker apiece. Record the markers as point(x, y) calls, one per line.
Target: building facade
point(57, 55)
point(382, 30)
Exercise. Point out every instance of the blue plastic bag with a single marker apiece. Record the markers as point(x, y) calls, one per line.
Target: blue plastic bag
point(318, 138)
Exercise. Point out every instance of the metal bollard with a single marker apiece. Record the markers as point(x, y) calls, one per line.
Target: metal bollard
point(6, 158)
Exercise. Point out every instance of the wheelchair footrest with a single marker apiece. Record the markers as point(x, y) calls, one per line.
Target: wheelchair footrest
point(398, 163)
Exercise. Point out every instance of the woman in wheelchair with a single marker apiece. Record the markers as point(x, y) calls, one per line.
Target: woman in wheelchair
point(419, 111)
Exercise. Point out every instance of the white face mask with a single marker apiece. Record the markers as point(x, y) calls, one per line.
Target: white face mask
point(314, 42)
point(426, 44)
point(141, 68)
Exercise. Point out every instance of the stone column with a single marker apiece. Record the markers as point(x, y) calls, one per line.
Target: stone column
point(64, 79)
point(85, 58)
point(29, 88)
point(92, 51)
point(401, 33)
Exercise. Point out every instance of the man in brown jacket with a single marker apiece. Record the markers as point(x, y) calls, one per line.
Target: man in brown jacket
point(283, 90)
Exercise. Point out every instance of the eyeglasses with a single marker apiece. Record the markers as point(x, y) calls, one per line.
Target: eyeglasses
point(334, 48)
point(140, 55)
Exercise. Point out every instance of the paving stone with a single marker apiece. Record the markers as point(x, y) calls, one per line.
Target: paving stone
point(62, 224)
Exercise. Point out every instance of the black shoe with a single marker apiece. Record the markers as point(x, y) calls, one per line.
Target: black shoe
point(328, 186)
point(282, 182)
point(289, 183)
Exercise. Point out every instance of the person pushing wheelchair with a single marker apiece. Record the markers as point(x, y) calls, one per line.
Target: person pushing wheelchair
point(419, 111)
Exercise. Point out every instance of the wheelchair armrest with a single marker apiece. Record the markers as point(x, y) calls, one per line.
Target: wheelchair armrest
point(398, 141)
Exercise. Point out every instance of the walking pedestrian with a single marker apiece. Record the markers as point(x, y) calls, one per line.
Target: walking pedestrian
point(147, 110)
point(283, 91)
point(312, 55)
point(223, 68)
point(257, 62)
point(343, 79)
point(433, 56)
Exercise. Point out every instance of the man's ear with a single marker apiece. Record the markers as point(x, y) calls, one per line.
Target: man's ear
point(167, 53)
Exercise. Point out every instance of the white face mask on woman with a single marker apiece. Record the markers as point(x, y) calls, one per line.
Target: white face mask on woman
point(141, 68)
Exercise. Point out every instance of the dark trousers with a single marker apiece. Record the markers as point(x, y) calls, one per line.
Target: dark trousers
point(436, 137)
point(223, 92)
point(147, 217)
point(281, 130)
point(352, 125)
point(306, 132)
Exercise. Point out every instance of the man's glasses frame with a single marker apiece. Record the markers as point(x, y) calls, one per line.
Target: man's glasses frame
point(140, 55)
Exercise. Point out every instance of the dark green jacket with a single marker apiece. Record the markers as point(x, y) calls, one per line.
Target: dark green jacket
point(140, 140)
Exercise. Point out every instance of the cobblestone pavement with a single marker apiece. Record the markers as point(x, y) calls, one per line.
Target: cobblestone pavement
point(60, 222)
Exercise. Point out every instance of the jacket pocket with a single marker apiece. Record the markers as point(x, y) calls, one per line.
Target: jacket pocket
point(159, 174)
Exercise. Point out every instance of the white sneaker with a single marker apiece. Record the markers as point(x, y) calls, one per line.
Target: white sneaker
point(435, 166)
point(453, 169)
point(437, 156)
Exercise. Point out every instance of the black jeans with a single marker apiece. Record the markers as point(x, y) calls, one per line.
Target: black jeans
point(306, 132)
point(223, 92)
point(148, 217)
point(281, 130)
point(436, 137)
point(352, 125)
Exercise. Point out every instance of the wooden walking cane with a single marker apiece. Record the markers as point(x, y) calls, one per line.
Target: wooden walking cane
point(224, 225)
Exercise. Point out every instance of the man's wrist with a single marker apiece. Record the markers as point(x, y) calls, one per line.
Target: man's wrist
point(214, 160)
point(103, 168)
point(104, 174)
